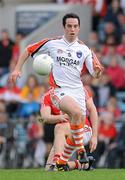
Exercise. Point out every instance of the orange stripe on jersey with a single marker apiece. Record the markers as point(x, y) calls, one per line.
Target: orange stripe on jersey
point(52, 81)
point(88, 93)
point(84, 70)
point(96, 62)
point(33, 48)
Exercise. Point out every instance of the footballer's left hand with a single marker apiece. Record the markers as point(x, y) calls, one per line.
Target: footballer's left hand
point(98, 72)
point(93, 143)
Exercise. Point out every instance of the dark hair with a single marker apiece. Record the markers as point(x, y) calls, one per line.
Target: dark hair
point(70, 15)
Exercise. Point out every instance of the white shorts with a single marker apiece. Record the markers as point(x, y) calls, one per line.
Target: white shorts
point(87, 134)
point(77, 94)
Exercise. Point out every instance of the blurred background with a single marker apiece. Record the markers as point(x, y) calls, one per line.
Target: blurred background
point(24, 143)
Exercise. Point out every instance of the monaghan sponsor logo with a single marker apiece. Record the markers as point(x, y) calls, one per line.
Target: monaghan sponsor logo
point(68, 62)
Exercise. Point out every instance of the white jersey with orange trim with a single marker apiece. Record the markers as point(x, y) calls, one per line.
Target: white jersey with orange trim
point(69, 59)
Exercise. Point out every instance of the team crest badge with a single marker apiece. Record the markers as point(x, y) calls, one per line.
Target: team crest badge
point(79, 54)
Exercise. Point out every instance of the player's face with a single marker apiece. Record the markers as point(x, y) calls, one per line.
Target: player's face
point(71, 29)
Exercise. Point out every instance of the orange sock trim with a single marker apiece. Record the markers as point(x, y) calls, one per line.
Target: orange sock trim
point(75, 127)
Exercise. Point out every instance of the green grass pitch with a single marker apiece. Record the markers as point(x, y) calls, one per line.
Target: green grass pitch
point(38, 174)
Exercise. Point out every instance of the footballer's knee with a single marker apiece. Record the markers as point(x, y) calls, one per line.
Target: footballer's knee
point(77, 116)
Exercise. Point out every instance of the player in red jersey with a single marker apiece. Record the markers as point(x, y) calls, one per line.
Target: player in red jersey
point(50, 114)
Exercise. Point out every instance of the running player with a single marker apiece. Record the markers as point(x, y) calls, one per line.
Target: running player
point(69, 55)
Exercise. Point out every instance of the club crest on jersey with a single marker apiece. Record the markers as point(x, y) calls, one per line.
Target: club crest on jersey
point(59, 51)
point(79, 54)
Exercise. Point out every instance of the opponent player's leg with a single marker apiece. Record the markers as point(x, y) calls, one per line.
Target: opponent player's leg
point(63, 146)
point(50, 159)
point(60, 132)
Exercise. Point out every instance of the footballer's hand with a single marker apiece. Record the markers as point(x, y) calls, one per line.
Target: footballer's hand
point(98, 68)
point(13, 76)
point(64, 118)
point(93, 143)
point(97, 73)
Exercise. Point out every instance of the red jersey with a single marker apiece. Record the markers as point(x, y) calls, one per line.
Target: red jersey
point(46, 101)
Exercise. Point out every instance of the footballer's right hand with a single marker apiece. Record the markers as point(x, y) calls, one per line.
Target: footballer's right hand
point(64, 118)
point(13, 76)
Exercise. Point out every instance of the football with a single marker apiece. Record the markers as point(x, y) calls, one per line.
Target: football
point(43, 64)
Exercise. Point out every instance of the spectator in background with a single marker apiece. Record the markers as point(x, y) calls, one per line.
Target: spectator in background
point(16, 50)
point(121, 21)
point(93, 41)
point(4, 78)
point(113, 11)
point(116, 74)
point(109, 29)
point(112, 107)
point(36, 147)
point(107, 129)
point(110, 51)
point(99, 11)
point(6, 46)
point(6, 136)
point(31, 91)
point(102, 86)
point(109, 46)
point(116, 150)
point(3, 126)
point(30, 97)
point(107, 134)
point(10, 93)
point(121, 47)
point(20, 141)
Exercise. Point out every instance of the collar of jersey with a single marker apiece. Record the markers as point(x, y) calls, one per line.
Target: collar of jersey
point(70, 44)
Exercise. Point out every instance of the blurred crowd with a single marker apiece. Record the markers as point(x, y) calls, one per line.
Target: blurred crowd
point(24, 142)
